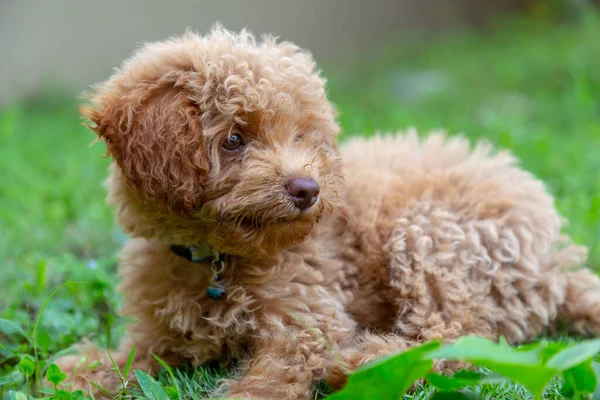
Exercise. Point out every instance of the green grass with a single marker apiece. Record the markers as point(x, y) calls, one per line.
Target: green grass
point(528, 85)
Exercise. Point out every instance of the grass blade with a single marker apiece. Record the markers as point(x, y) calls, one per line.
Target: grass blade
point(129, 362)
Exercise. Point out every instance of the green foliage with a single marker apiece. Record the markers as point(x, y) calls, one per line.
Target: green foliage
point(527, 85)
point(534, 366)
point(26, 366)
point(151, 388)
point(388, 378)
point(525, 367)
point(54, 375)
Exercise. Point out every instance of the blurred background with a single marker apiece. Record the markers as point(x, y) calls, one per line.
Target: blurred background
point(522, 74)
point(75, 43)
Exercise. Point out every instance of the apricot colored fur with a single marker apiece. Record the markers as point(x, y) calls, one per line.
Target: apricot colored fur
point(411, 239)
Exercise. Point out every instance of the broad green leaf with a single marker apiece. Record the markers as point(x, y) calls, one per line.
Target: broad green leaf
point(54, 375)
point(46, 390)
point(544, 349)
point(388, 378)
point(550, 349)
point(62, 395)
point(152, 389)
point(568, 387)
point(584, 377)
point(525, 367)
point(78, 395)
point(26, 366)
point(579, 380)
point(596, 367)
point(173, 392)
point(43, 340)
point(574, 355)
point(457, 381)
point(472, 348)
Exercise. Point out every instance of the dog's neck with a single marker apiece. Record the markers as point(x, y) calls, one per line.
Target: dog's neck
point(217, 288)
point(193, 254)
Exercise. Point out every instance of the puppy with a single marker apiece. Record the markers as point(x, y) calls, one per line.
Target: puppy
point(253, 239)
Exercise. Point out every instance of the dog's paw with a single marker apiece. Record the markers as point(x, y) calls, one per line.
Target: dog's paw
point(92, 376)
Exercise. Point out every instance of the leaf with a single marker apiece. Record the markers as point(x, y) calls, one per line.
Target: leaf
point(549, 349)
point(173, 392)
point(11, 328)
point(575, 355)
point(46, 390)
point(43, 340)
point(12, 395)
point(171, 374)
point(78, 395)
point(388, 378)
point(525, 367)
point(580, 379)
point(10, 379)
point(40, 276)
point(129, 362)
point(596, 367)
point(57, 355)
point(449, 383)
point(37, 323)
point(100, 389)
point(114, 364)
point(94, 364)
point(62, 395)
point(54, 375)
point(26, 366)
point(150, 387)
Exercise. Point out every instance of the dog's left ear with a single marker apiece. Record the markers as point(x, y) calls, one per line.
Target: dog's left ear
point(153, 133)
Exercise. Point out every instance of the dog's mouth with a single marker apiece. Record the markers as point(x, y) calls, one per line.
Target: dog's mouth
point(252, 231)
point(261, 223)
point(277, 221)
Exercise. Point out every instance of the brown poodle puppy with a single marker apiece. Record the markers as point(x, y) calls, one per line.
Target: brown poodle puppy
point(253, 239)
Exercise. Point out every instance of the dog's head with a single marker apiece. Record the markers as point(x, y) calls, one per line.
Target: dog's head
point(219, 140)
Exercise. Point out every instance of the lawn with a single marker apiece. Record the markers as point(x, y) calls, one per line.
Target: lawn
point(530, 85)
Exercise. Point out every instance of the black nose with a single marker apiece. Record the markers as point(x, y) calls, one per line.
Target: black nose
point(304, 192)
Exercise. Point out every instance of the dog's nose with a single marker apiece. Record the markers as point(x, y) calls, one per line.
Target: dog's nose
point(304, 192)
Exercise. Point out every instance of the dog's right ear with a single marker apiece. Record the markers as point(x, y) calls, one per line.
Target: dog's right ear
point(153, 133)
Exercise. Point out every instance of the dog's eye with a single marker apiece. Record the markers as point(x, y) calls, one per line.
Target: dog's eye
point(233, 142)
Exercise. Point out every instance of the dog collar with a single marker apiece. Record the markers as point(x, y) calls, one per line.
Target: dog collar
point(216, 288)
point(192, 254)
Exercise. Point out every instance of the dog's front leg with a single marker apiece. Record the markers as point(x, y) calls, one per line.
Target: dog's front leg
point(283, 366)
point(294, 351)
point(95, 367)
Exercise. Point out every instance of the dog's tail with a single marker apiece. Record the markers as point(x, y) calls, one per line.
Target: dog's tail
point(578, 308)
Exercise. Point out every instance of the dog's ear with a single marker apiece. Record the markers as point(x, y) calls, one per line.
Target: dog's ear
point(153, 133)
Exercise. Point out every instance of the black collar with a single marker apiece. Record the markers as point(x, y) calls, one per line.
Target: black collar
point(216, 289)
point(193, 254)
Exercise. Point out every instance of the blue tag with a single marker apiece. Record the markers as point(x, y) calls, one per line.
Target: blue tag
point(215, 292)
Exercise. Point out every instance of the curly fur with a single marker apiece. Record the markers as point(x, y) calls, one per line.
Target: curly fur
point(423, 239)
